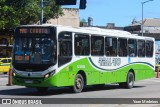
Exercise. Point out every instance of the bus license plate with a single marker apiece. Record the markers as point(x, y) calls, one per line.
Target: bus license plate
point(29, 81)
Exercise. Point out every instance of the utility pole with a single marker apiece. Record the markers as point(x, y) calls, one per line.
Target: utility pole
point(142, 13)
point(41, 14)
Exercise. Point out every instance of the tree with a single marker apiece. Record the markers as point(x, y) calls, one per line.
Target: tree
point(21, 12)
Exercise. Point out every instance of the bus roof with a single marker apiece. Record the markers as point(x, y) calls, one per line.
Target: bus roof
point(93, 31)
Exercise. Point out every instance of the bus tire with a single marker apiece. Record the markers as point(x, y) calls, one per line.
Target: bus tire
point(42, 89)
point(78, 83)
point(130, 80)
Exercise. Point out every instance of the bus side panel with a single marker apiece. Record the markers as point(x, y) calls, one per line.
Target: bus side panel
point(144, 72)
point(68, 73)
point(102, 77)
point(121, 75)
point(63, 79)
point(92, 76)
point(110, 77)
point(95, 76)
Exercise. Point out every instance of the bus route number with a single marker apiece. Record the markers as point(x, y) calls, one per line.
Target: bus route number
point(81, 66)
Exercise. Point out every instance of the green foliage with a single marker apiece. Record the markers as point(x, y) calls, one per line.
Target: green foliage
point(21, 12)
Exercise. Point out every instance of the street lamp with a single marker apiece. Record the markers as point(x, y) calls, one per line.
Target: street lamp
point(42, 4)
point(142, 13)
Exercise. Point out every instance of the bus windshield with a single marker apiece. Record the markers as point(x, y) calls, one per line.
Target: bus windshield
point(34, 50)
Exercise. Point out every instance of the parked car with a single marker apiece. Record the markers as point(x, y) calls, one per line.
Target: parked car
point(5, 64)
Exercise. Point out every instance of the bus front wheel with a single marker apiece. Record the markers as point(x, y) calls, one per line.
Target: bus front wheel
point(130, 81)
point(78, 83)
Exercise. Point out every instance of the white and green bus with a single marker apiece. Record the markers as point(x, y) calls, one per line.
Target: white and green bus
point(47, 56)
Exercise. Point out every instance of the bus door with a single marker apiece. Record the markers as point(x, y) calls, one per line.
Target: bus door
point(65, 48)
point(65, 55)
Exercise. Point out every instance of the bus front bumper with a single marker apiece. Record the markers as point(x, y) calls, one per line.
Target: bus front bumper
point(35, 82)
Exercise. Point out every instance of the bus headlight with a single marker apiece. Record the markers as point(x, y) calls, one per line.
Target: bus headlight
point(46, 76)
point(14, 74)
point(49, 74)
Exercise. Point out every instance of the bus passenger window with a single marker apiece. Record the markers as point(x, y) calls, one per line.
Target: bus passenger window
point(65, 48)
point(78, 48)
point(141, 48)
point(149, 48)
point(122, 47)
point(82, 44)
point(97, 45)
point(110, 46)
point(132, 48)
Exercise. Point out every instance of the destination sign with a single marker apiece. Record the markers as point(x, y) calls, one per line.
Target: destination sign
point(34, 30)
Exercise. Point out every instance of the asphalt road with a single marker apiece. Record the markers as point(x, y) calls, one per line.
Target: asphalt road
point(149, 88)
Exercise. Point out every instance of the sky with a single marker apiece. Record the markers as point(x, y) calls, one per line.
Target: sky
point(120, 12)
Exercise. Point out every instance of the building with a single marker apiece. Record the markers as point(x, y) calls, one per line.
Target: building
point(70, 18)
point(83, 23)
point(151, 27)
point(111, 26)
point(6, 41)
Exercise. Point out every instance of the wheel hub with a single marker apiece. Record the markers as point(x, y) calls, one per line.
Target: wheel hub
point(78, 83)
